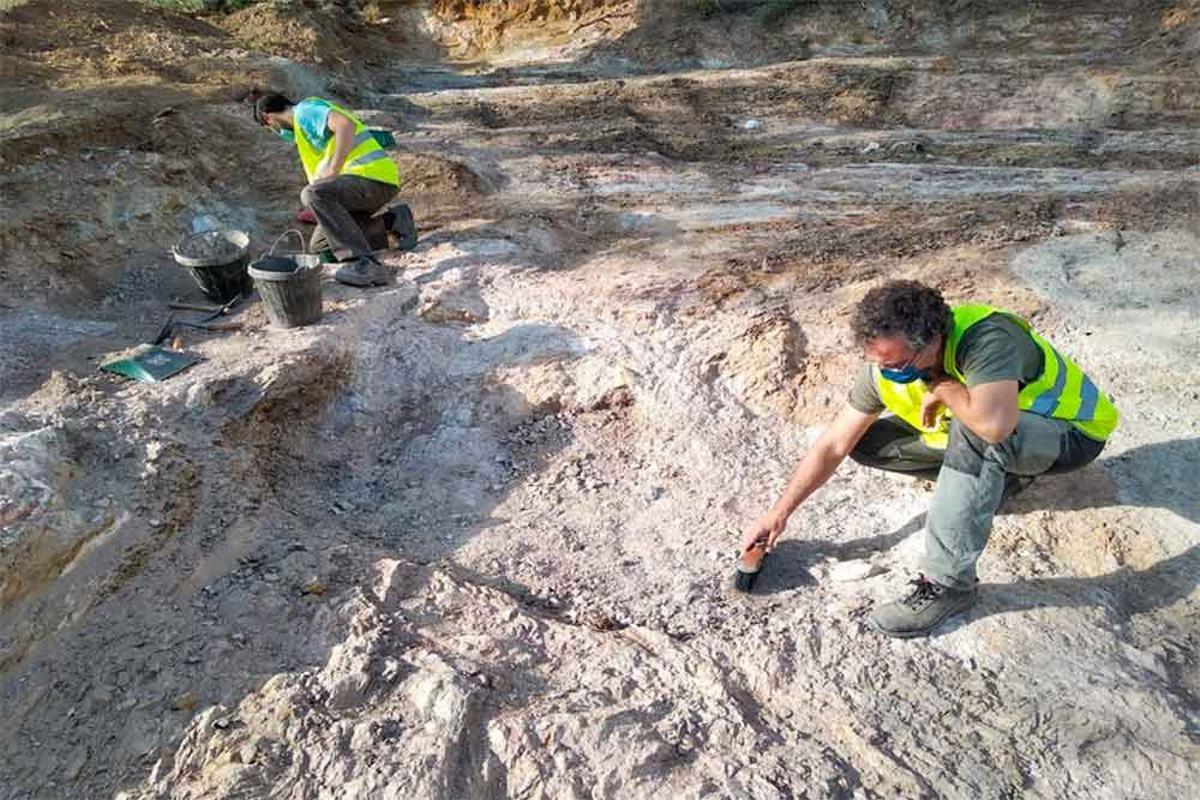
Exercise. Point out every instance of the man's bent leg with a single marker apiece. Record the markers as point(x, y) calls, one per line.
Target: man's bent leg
point(374, 230)
point(1078, 451)
point(335, 202)
point(969, 489)
point(892, 444)
point(319, 243)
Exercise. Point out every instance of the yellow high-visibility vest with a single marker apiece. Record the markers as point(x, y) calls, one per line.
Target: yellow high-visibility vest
point(367, 159)
point(1061, 391)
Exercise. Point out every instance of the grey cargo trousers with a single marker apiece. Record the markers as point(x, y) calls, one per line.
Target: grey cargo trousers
point(970, 476)
point(344, 207)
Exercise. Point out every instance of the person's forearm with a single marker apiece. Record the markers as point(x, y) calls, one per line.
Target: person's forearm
point(957, 398)
point(814, 469)
point(343, 143)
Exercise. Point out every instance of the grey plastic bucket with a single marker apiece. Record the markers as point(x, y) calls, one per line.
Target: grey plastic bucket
point(217, 262)
point(290, 287)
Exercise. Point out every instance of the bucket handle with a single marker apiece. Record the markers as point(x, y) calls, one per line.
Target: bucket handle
point(280, 238)
point(284, 235)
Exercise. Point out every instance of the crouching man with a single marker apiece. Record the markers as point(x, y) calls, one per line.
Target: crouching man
point(350, 177)
point(974, 399)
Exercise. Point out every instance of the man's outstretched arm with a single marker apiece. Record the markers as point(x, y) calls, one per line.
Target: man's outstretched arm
point(830, 450)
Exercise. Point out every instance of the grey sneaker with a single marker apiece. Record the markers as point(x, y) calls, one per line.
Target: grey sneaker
point(366, 271)
point(927, 606)
point(399, 220)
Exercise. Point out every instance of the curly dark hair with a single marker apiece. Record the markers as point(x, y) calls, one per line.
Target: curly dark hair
point(901, 310)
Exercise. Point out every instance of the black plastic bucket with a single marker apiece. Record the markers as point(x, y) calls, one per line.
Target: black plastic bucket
point(217, 262)
point(290, 288)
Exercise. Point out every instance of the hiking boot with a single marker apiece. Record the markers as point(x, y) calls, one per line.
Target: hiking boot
point(398, 220)
point(365, 271)
point(924, 609)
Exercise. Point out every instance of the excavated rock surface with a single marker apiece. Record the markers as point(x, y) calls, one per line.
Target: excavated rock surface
point(470, 536)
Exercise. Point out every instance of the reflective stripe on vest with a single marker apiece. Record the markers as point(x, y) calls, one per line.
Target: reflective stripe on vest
point(366, 158)
point(1061, 391)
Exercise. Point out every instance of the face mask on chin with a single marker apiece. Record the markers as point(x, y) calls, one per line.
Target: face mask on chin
point(286, 134)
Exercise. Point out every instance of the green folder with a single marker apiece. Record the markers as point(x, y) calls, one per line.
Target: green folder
point(385, 138)
point(150, 364)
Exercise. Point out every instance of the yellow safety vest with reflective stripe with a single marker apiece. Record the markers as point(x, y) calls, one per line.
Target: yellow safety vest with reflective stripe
point(367, 159)
point(1061, 391)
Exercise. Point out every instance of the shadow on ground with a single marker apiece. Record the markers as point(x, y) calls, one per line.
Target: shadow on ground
point(1158, 475)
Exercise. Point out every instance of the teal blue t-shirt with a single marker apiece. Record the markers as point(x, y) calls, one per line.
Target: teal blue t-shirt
point(312, 116)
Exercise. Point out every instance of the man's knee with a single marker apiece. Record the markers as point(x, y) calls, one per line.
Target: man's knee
point(965, 449)
point(314, 193)
point(877, 446)
point(868, 452)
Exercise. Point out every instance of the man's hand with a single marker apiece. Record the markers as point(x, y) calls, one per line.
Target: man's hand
point(767, 529)
point(988, 409)
point(324, 170)
point(343, 142)
point(931, 406)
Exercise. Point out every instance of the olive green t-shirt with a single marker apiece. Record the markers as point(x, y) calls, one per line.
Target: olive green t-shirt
point(994, 349)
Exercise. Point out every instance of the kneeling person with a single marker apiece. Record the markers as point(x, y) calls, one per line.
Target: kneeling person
point(976, 398)
point(350, 177)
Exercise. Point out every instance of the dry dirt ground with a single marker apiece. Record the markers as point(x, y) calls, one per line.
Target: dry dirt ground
point(469, 536)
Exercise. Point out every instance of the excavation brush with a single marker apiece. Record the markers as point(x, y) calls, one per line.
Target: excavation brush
point(749, 566)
